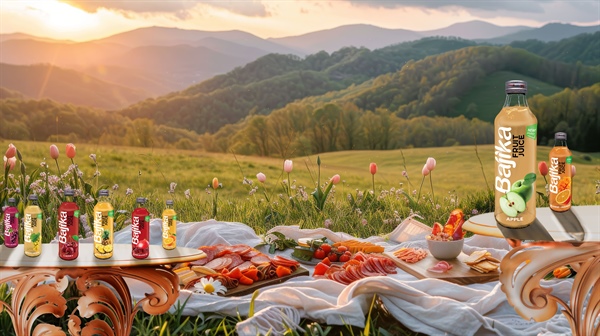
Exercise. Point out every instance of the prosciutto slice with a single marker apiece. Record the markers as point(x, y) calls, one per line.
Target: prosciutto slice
point(440, 267)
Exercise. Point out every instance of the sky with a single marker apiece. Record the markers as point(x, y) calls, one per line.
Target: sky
point(94, 19)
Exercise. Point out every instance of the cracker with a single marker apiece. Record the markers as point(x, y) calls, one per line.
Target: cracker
point(476, 257)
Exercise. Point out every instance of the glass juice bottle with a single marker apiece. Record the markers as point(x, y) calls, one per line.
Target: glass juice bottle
point(10, 219)
point(103, 226)
point(140, 230)
point(32, 228)
point(559, 187)
point(515, 149)
point(68, 227)
point(169, 227)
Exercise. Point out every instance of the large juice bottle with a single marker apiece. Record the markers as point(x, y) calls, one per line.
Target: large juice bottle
point(515, 147)
point(103, 226)
point(10, 219)
point(140, 230)
point(68, 227)
point(169, 227)
point(560, 174)
point(32, 228)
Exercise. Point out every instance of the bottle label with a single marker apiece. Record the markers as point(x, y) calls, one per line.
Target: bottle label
point(11, 227)
point(559, 186)
point(63, 229)
point(514, 183)
point(27, 227)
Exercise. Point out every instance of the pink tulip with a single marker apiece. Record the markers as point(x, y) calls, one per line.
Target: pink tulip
point(70, 151)
point(425, 171)
point(288, 165)
point(335, 179)
point(215, 183)
point(543, 168)
point(53, 152)
point(10, 162)
point(11, 151)
point(373, 168)
point(261, 177)
point(430, 164)
point(573, 170)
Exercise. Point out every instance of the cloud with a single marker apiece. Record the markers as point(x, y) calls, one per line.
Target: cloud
point(544, 10)
point(179, 8)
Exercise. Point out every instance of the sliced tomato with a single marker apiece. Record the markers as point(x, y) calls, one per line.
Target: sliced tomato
point(321, 268)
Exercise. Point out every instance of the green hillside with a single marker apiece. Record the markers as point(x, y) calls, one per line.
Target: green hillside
point(583, 48)
point(486, 98)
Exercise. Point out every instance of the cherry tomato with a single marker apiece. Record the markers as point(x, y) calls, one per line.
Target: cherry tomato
point(319, 254)
point(333, 256)
point(348, 253)
point(344, 257)
point(342, 248)
point(326, 247)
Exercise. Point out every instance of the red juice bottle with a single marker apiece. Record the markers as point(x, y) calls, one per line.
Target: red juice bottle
point(11, 224)
point(68, 227)
point(140, 230)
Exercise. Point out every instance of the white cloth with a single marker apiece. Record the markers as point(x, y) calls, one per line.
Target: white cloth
point(429, 306)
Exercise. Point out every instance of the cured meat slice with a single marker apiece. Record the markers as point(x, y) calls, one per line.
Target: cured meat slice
point(251, 254)
point(199, 262)
point(260, 259)
point(219, 263)
point(245, 265)
point(440, 267)
point(210, 251)
point(240, 249)
point(235, 260)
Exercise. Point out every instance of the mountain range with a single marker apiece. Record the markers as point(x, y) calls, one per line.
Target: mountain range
point(158, 60)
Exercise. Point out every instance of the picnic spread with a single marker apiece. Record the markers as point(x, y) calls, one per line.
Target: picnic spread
point(469, 302)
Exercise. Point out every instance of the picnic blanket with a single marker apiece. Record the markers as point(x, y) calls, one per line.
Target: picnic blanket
point(429, 306)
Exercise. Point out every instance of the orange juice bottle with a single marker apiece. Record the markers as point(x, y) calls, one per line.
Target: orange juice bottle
point(560, 174)
point(103, 226)
point(169, 227)
point(515, 148)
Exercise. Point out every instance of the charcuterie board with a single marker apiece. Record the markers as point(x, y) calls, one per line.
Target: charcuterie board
point(244, 290)
point(460, 273)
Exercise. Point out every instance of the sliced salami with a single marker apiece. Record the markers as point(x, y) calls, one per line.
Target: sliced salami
point(240, 249)
point(245, 265)
point(235, 260)
point(219, 263)
point(251, 254)
point(200, 262)
point(210, 252)
point(260, 259)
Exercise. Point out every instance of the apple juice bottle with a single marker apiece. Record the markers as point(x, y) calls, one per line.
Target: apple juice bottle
point(169, 227)
point(32, 228)
point(10, 219)
point(140, 230)
point(559, 187)
point(103, 226)
point(515, 149)
point(68, 227)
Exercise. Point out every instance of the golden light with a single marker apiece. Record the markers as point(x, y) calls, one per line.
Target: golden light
point(62, 17)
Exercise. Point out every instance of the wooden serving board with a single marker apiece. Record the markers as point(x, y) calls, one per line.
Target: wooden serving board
point(460, 273)
point(244, 289)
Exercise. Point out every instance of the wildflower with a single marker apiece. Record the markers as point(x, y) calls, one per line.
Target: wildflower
point(209, 286)
point(54, 152)
point(474, 212)
point(96, 173)
point(437, 207)
point(70, 151)
point(11, 151)
point(172, 187)
point(247, 181)
point(363, 222)
point(573, 171)
point(327, 223)
point(93, 157)
point(128, 192)
point(543, 168)
point(373, 168)
point(187, 193)
point(425, 171)
point(115, 187)
point(288, 165)
point(215, 183)
point(335, 179)
point(404, 173)
point(430, 164)
point(261, 177)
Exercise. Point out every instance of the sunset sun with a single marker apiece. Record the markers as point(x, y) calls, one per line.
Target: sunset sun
point(62, 17)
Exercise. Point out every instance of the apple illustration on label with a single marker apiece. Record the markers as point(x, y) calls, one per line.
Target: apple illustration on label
point(523, 189)
point(512, 204)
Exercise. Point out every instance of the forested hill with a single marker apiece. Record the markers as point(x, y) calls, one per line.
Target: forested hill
point(584, 48)
point(275, 80)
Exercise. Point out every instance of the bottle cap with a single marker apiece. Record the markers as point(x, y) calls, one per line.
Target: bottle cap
point(169, 202)
point(141, 200)
point(69, 192)
point(33, 197)
point(12, 200)
point(515, 86)
point(103, 192)
point(560, 136)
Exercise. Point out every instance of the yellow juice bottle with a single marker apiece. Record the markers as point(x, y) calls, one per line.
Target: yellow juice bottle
point(515, 150)
point(32, 228)
point(169, 227)
point(559, 186)
point(103, 226)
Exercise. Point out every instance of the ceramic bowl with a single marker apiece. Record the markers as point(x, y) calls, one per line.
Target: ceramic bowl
point(445, 250)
